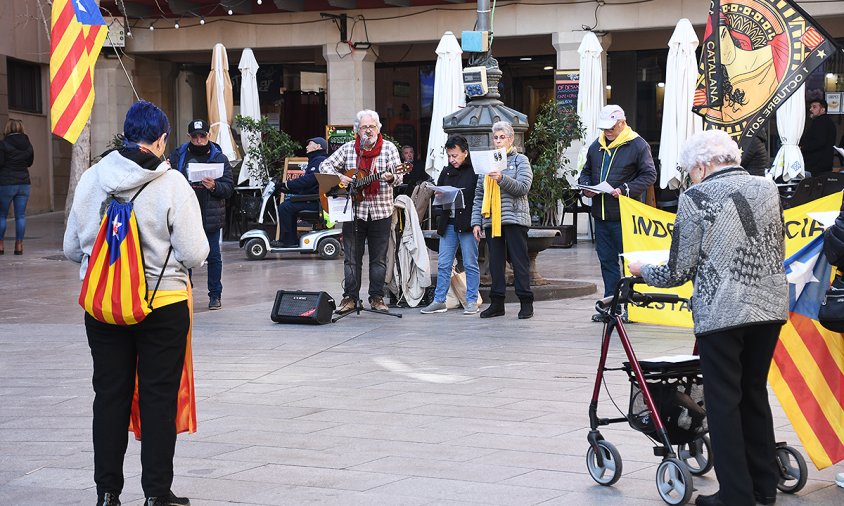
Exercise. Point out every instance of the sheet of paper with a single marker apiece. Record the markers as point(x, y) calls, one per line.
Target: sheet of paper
point(652, 257)
point(447, 196)
point(488, 160)
point(603, 187)
point(198, 171)
point(340, 209)
point(840, 150)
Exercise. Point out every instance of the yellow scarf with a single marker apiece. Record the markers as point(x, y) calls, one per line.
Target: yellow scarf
point(624, 137)
point(491, 207)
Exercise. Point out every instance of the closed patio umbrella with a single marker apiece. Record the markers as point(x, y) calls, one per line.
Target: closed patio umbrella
point(791, 117)
point(250, 107)
point(678, 121)
point(448, 98)
point(218, 93)
point(590, 94)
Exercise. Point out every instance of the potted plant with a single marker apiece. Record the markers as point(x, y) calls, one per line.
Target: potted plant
point(267, 158)
point(552, 133)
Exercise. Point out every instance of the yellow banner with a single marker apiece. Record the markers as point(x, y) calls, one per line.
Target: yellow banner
point(646, 234)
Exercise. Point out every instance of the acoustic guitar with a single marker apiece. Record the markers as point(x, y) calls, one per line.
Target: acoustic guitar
point(359, 183)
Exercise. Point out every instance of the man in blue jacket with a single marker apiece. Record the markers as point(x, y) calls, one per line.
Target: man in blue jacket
point(306, 184)
point(211, 194)
point(623, 159)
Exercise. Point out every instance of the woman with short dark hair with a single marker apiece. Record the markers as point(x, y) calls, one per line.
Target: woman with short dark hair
point(16, 157)
point(728, 240)
point(172, 241)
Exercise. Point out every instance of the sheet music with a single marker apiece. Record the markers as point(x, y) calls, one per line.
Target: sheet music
point(340, 209)
point(488, 160)
point(602, 187)
point(198, 171)
point(446, 196)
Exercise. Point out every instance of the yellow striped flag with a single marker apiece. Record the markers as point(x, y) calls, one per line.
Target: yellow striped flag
point(807, 373)
point(77, 32)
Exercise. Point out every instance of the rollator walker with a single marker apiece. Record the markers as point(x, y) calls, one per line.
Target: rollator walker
point(666, 404)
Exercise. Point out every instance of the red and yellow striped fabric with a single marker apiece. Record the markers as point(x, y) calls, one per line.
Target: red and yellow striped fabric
point(77, 32)
point(115, 289)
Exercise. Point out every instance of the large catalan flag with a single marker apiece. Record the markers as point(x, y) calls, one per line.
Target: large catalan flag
point(807, 373)
point(76, 36)
point(755, 54)
point(115, 289)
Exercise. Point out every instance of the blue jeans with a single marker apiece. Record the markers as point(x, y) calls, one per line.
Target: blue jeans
point(19, 194)
point(609, 246)
point(215, 264)
point(445, 260)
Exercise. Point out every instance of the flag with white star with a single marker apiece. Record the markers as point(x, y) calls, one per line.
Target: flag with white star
point(807, 371)
point(755, 54)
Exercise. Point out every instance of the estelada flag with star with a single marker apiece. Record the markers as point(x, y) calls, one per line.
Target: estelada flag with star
point(115, 288)
point(807, 372)
point(755, 54)
point(77, 32)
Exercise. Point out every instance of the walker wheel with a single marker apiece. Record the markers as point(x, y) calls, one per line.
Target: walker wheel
point(609, 472)
point(674, 481)
point(329, 248)
point(255, 249)
point(793, 470)
point(697, 455)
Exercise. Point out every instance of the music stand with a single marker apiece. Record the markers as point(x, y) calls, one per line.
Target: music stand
point(350, 191)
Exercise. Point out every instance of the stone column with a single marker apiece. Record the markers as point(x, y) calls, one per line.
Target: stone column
point(114, 96)
point(351, 83)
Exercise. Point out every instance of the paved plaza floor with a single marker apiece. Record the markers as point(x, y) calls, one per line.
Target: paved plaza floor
point(439, 409)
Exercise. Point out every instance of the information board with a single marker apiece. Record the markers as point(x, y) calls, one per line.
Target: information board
point(566, 87)
point(337, 135)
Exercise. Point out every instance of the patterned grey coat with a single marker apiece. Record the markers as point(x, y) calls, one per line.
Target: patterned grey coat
point(728, 238)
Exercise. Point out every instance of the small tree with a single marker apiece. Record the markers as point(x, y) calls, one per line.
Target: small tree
point(553, 132)
point(267, 158)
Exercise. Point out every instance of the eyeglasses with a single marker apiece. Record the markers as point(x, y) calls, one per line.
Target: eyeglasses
point(199, 135)
point(367, 127)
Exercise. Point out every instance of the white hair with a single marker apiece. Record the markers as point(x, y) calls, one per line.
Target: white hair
point(370, 113)
point(504, 126)
point(710, 147)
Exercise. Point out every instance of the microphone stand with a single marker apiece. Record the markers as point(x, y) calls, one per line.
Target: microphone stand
point(352, 251)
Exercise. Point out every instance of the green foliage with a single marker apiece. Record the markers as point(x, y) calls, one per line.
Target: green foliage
point(552, 134)
point(268, 157)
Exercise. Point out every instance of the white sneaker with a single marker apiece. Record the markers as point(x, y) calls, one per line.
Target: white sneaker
point(434, 307)
point(471, 308)
point(839, 479)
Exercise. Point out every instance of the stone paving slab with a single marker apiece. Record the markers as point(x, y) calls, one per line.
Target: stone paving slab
point(424, 410)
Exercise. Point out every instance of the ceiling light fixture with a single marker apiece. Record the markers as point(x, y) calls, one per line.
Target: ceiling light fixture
point(202, 20)
point(231, 12)
point(548, 67)
point(176, 25)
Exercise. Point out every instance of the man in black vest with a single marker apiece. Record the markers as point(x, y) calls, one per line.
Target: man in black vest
point(211, 194)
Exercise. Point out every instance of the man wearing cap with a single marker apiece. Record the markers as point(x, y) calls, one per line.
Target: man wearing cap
point(623, 159)
point(306, 184)
point(211, 194)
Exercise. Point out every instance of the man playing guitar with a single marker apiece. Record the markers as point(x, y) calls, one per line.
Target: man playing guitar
point(369, 154)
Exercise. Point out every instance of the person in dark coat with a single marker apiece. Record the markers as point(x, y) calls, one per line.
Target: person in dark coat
point(621, 158)
point(306, 184)
point(417, 175)
point(755, 158)
point(818, 139)
point(16, 157)
point(455, 228)
point(212, 194)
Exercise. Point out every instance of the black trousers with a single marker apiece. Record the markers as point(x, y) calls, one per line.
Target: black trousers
point(512, 245)
point(156, 347)
point(735, 367)
point(375, 235)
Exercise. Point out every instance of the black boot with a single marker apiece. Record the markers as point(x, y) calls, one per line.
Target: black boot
point(526, 310)
point(496, 308)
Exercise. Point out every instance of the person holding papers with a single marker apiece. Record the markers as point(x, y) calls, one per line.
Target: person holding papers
point(620, 162)
point(200, 154)
point(455, 228)
point(501, 209)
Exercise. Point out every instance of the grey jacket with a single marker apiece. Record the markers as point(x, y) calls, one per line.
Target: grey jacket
point(167, 212)
point(515, 184)
point(728, 238)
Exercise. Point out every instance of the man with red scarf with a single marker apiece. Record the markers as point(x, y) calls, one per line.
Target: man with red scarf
point(367, 154)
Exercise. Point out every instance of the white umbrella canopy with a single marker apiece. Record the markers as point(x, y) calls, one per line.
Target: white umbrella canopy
point(791, 117)
point(448, 98)
point(678, 121)
point(218, 93)
point(590, 94)
point(250, 107)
